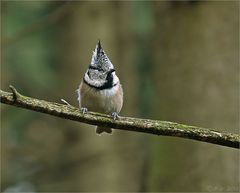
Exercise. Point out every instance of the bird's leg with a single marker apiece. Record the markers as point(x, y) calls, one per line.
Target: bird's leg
point(115, 115)
point(83, 110)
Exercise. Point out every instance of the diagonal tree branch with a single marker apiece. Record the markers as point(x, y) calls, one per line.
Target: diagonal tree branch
point(124, 123)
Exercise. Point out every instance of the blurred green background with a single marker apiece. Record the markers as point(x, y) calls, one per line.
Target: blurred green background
point(177, 61)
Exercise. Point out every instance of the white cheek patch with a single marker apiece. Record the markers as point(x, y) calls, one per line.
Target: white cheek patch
point(97, 83)
point(115, 78)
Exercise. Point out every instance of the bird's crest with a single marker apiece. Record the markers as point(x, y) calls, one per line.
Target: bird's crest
point(100, 59)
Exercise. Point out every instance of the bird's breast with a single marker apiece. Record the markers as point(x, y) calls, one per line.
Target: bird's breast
point(103, 101)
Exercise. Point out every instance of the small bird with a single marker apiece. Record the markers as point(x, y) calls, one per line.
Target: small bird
point(100, 89)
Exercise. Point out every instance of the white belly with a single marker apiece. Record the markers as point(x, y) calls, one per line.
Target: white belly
point(104, 101)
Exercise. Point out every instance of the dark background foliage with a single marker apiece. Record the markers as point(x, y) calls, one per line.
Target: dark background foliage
point(177, 61)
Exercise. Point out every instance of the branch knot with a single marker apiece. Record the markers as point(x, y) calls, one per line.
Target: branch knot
point(15, 93)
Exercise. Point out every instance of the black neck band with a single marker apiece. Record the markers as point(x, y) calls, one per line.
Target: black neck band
point(107, 85)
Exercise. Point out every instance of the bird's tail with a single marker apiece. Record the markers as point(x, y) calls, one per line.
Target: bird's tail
point(100, 130)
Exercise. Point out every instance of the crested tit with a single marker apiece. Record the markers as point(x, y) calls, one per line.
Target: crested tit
point(100, 89)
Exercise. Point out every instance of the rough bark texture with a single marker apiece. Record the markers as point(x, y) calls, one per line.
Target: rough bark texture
point(124, 123)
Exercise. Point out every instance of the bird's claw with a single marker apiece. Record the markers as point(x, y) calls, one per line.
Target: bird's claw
point(83, 110)
point(115, 115)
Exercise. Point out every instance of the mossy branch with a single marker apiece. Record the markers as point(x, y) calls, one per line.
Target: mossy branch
point(124, 123)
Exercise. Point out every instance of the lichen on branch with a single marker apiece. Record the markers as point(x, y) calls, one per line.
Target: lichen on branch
point(155, 127)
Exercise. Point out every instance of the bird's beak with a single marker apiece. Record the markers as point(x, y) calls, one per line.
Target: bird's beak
point(112, 70)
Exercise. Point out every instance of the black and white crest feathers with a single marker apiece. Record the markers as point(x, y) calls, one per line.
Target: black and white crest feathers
point(100, 60)
point(100, 74)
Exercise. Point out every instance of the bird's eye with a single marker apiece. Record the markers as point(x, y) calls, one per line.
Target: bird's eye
point(95, 68)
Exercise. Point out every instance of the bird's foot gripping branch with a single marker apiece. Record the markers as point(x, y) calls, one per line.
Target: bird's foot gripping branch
point(123, 123)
